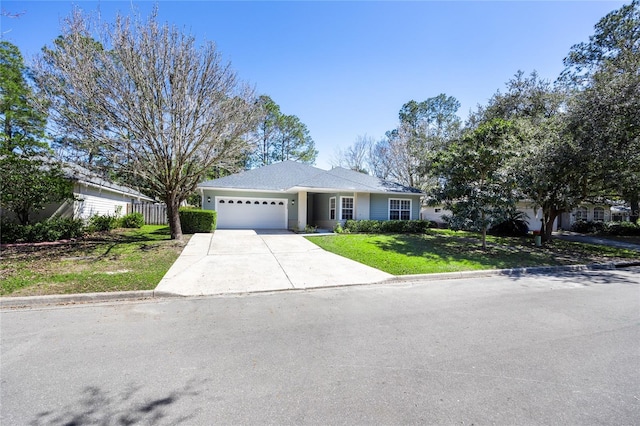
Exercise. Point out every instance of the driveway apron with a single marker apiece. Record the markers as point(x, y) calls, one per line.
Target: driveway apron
point(239, 261)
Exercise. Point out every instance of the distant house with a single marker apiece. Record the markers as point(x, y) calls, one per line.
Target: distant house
point(605, 212)
point(93, 196)
point(291, 195)
point(534, 222)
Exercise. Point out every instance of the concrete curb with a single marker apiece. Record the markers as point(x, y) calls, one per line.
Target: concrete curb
point(71, 299)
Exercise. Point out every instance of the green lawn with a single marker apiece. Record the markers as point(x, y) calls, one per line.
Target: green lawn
point(124, 259)
point(451, 251)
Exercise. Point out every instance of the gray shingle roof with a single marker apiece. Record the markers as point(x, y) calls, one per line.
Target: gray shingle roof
point(290, 176)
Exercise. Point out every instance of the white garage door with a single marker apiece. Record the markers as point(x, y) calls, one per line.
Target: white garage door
point(251, 213)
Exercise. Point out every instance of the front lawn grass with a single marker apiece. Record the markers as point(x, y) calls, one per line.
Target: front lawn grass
point(441, 250)
point(120, 260)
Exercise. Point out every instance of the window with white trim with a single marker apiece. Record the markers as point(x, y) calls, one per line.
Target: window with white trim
point(581, 213)
point(399, 209)
point(346, 208)
point(332, 208)
point(598, 214)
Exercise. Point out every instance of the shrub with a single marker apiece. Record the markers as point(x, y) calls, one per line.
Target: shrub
point(101, 223)
point(196, 220)
point(621, 228)
point(514, 226)
point(585, 227)
point(389, 226)
point(48, 230)
point(132, 220)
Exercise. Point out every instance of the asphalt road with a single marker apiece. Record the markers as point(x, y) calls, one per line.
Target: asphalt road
point(538, 349)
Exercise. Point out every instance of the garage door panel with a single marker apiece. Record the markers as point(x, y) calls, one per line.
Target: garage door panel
point(251, 213)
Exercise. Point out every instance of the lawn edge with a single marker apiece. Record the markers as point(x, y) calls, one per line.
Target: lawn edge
point(80, 298)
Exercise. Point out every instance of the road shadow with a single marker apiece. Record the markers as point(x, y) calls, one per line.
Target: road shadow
point(585, 277)
point(96, 406)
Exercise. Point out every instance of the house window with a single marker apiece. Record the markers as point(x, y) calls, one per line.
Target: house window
point(346, 208)
point(598, 214)
point(399, 209)
point(332, 208)
point(581, 214)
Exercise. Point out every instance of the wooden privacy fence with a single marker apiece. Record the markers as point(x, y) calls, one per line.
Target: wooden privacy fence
point(154, 214)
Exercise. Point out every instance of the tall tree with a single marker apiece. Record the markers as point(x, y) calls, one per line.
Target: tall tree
point(424, 128)
point(23, 124)
point(29, 180)
point(474, 186)
point(605, 114)
point(293, 141)
point(549, 167)
point(280, 137)
point(161, 109)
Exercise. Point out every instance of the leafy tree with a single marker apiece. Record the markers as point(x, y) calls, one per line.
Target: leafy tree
point(162, 110)
point(293, 141)
point(604, 116)
point(548, 166)
point(23, 125)
point(29, 181)
point(474, 186)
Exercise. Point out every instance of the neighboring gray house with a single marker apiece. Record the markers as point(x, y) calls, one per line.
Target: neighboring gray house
point(291, 195)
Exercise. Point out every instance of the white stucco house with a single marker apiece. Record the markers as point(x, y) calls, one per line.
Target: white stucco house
point(291, 195)
point(586, 212)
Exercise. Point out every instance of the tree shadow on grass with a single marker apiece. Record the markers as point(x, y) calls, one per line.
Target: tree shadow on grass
point(97, 406)
point(104, 242)
point(464, 250)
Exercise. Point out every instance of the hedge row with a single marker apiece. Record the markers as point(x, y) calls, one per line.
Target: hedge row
point(48, 230)
point(64, 228)
point(606, 228)
point(386, 226)
point(195, 220)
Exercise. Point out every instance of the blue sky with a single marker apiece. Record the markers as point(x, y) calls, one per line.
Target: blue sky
point(346, 68)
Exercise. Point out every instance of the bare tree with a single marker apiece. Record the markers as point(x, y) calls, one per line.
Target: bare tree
point(162, 110)
point(356, 156)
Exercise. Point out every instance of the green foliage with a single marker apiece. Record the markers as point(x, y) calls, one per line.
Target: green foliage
point(132, 220)
point(195, 220)
point(606, 228)
point(309, 229)
point(388, 226)
point(514, 225)
point(280, 137)
point(474, 186)
point(103, 223)
point(604, 115)
point(29, 184)
point(23, 125)
point(48, 230)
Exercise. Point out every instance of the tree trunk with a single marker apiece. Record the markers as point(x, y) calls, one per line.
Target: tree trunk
point(173, 217)
point(547, 224)
point(634, 203)
point(484, 233)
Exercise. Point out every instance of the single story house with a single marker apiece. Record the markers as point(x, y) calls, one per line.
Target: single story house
point(93, 195)
point(435, 213)
point(291, 195)
point(586, 212)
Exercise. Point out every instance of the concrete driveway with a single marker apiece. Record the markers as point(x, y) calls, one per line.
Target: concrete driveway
point(238, 261)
